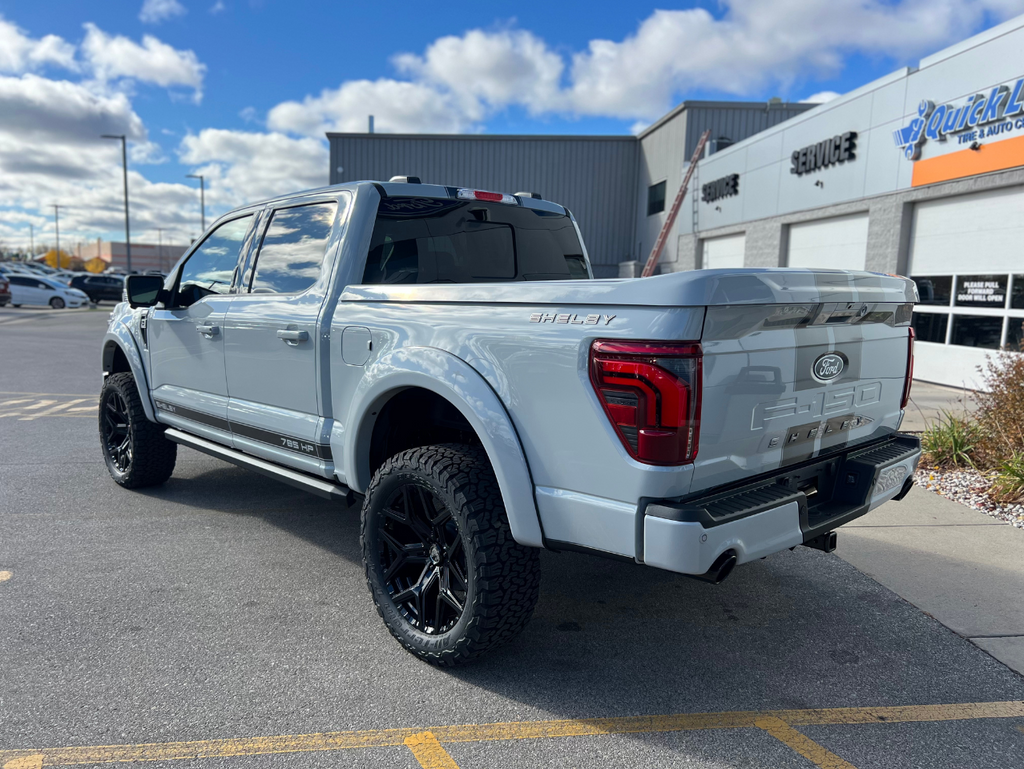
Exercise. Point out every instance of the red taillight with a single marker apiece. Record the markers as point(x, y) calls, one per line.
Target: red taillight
point(910, 372)
point(651, 393)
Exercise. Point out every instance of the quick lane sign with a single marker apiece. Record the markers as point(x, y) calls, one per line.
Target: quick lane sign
point(725, 187)
point(965, 119)
point(838, 149)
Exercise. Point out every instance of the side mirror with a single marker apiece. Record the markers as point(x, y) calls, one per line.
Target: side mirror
point(144, 290)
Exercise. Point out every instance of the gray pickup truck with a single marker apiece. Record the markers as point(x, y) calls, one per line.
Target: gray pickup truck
point(445, 356)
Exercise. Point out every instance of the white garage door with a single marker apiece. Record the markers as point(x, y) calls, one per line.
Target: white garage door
point(840, 243)
point(723, 252)
point(983, 232)
point(965, 256)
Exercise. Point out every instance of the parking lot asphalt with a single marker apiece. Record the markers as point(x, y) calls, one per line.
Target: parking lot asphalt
point(223, 620)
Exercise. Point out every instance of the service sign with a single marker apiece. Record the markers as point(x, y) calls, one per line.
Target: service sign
point(828, 152)
point(725, 187)
point(977, 118)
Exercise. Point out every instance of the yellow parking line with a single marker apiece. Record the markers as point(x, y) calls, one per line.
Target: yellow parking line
point(5, 575)
point(516, 730)
point(25, 762)
point(428, 751)
point(802, 744)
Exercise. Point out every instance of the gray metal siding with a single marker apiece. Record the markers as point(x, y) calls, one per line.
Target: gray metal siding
point(595, 177)
point(736, 123)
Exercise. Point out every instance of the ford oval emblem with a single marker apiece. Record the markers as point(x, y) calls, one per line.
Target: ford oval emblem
point(828, 366)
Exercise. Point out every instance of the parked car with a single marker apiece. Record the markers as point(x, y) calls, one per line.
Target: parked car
point(5, 290)
point(43, 290)
point(66, 276)
point(100, 288)
point(444, 355)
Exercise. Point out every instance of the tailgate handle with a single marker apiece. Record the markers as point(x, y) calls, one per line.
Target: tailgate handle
point(208, 331)
point(292, 337)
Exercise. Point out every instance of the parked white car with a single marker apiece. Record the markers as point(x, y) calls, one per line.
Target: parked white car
point(42, 290)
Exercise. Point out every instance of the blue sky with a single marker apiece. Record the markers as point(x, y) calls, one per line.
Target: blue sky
point(242, 90)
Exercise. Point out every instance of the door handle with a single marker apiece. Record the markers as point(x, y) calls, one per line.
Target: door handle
point(208, 331)
point(292, 337)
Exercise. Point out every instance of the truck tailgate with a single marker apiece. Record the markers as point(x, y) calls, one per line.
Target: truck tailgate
point(784, 383)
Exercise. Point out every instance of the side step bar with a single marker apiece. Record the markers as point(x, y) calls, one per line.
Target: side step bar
point(320, 487)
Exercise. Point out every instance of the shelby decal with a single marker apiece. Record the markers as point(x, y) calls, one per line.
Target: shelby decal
point(838, 149)
point(725, 187)
point(935, 123)
point(576, 320)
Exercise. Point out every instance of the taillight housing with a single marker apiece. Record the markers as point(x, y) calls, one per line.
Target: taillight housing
point(910, 371)
point(651, 394)
point(490, 197)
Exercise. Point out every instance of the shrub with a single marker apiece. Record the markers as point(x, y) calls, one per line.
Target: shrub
point(1000, 412)
point(951, 441)
point(1008, 485)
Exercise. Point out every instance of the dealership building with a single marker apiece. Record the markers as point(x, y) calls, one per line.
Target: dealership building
point(919, 173)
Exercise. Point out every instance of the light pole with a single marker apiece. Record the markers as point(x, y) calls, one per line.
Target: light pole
point(160, 248)
point(202, 196)
point(56, 228)
point(124, 166)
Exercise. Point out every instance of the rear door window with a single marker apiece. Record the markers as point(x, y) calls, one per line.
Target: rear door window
point(293, 250)
point(428, 240)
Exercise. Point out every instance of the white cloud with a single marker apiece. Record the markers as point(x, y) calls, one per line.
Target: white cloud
point(397, 107)
point(51, 151)
point(115, 56)
point(490, 68)
point(242, 167)
point(155, 11)
point(20, 53)
point(218, 7)
point(459, 81)
point(757, 44)
point(821, 97)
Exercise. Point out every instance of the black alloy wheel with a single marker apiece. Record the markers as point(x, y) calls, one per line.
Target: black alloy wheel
point(445, 573)
point(136, 451)
point(115, 427)
point(422, 559)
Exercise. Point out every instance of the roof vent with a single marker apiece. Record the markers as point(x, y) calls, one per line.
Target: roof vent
point(534, 195)
point(405, 180)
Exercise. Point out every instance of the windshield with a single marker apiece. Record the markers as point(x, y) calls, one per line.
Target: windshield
point(429, 240)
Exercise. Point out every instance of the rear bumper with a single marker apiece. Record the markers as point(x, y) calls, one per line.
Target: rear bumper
point(787, 508)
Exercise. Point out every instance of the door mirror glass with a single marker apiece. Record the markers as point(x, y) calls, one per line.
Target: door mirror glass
point(144, 290)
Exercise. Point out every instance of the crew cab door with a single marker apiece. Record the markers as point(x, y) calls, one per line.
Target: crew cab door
point(273, 345)
point(186, 337)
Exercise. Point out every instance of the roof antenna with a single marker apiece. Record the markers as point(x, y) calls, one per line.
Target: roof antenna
point(371, 124)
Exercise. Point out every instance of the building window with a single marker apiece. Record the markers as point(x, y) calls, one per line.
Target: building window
point(656, 198)
point(935, 289)
point(977, 331)
point(930, 326)
point(1017, 295)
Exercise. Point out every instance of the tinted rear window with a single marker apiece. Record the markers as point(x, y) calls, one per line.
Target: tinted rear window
point(427, 240)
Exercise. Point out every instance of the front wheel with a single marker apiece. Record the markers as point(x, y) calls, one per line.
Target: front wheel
point(445, 574)
point(135, 450)
point(57, 303)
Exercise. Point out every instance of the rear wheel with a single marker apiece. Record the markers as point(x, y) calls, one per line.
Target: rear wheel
point(135, 450)
point(445, 574)
point(57, 303)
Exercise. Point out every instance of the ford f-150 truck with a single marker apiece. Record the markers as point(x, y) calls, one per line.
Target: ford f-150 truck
point(446, 356)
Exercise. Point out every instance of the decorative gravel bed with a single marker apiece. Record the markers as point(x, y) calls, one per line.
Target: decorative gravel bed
point(968, 487)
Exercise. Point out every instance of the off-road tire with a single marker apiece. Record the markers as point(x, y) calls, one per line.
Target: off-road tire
point(150, 458)
point(503, 576)
point(57, 303)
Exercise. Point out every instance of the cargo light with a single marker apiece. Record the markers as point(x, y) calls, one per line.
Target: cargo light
point(490, 197)
point(910, 371)
point(651, 393)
